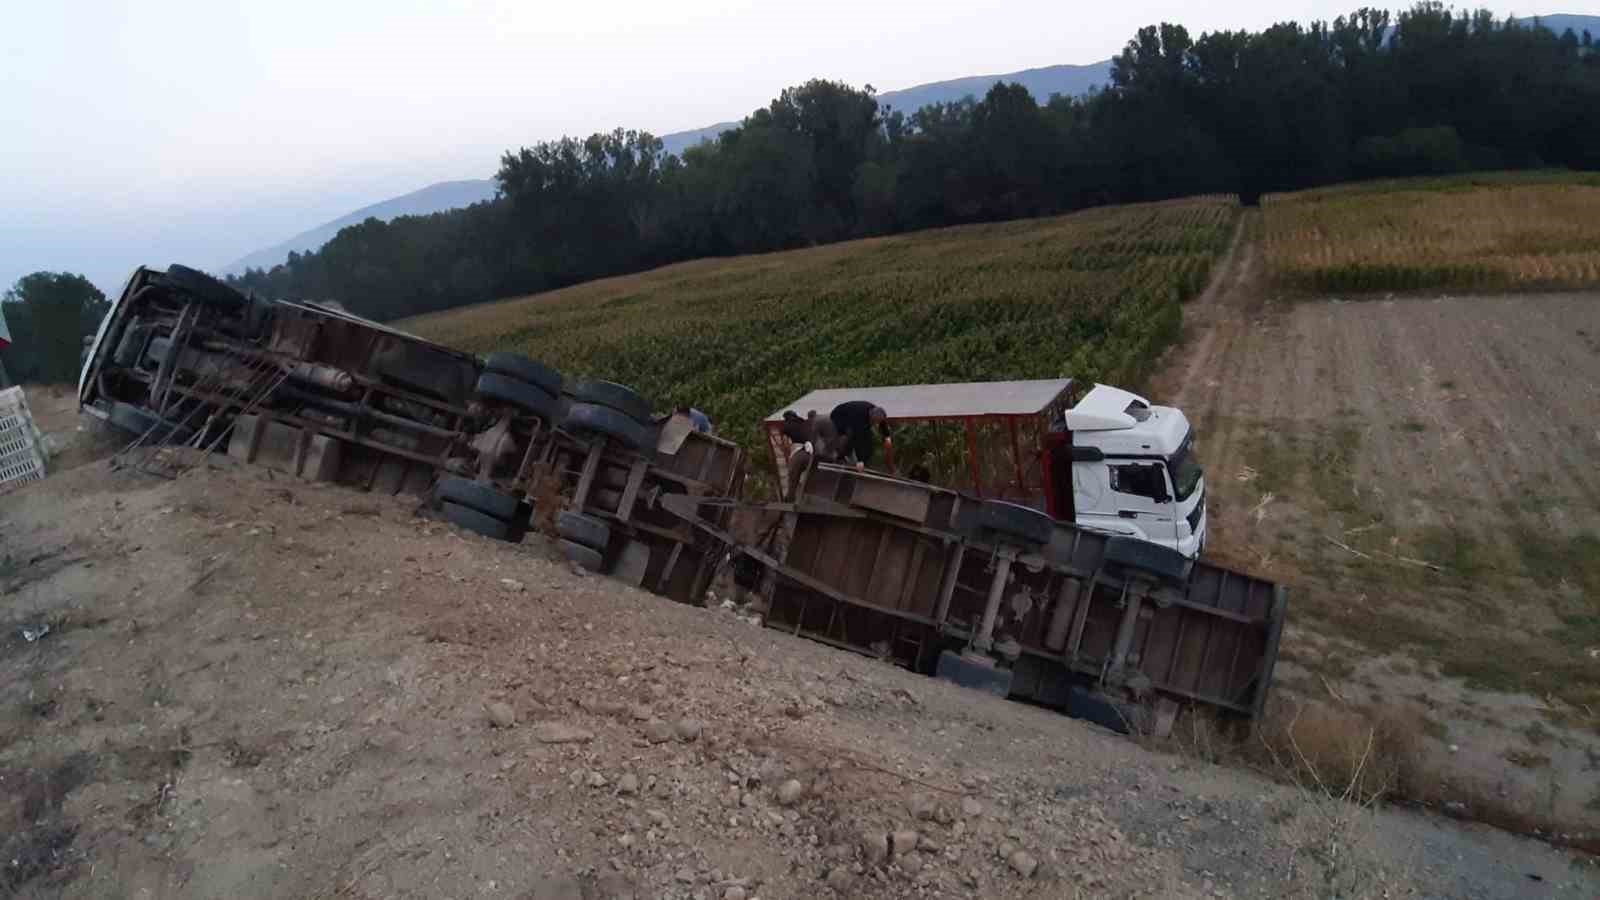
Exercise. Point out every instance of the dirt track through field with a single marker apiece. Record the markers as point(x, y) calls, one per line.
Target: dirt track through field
point(1425, 472)
point(1467, 413)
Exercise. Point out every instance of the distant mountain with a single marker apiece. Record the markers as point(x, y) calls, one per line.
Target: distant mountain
point(1561, 22)
point(433, 198)
point(679, 141)
point(1069, 81)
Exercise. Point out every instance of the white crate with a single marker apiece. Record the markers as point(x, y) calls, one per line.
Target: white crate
point(22, 454)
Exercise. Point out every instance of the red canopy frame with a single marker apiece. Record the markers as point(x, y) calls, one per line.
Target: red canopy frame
point(1003, 407)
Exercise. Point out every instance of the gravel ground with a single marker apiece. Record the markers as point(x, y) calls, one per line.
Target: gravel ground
point(260, 688)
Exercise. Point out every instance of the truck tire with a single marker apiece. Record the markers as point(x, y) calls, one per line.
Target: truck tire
point(598, 419)
point(526, 397)
point(524, 369)
point(1093, 707)
point(481, 497)
point(138, 420)
point(1016, 520)
point(957, 669)
point(587, 557)
point(619, 397)
point(581, 529)
point(204, 288)
point(472, 520)
point(1133, 553)
point(614, 477)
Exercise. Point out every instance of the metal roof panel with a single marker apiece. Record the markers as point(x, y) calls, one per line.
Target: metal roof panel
point(929, 401)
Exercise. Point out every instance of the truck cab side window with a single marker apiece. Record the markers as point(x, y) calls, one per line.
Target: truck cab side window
point(1141, 481)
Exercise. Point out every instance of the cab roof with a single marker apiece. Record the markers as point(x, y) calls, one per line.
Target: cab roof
point(1106, 408)
point(940, 401)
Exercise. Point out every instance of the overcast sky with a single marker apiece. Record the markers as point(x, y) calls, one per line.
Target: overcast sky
point(197, 131)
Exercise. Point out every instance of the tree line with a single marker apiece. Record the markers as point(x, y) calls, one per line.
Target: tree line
point(49, 314)
point(1427, 91)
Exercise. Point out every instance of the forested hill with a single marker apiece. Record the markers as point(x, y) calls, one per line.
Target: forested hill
point(1042, 83)
point(1072, 81)
point(433, 198)
point(1428, 90)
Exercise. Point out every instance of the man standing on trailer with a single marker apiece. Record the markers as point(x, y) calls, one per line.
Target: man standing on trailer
point(698, 419)
point(814, 440)
point(854, 421)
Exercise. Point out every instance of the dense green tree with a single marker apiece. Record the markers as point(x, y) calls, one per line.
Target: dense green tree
point(1428, 90)
point(49, 315)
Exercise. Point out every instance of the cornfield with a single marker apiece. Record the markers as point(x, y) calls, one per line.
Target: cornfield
point(1487, 232)
point(1093, 295)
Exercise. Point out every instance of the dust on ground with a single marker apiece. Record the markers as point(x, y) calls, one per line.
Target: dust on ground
point(69, 441)
point(1423, 471)
point(253, 687)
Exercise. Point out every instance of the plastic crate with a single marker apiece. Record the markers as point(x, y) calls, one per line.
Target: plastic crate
point(22, 454)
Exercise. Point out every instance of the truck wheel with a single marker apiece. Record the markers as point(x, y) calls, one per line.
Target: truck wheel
point(614, 477)
point(524, 369)
point(954, 667)
point(472, 520)
point(1016, 520)
point(584, 556)
point(581, 529)
point(526, 397)
point(138, 420)
point(605, 420)
point(607, 498)
point(619, 397)
point(481, 497)
point(205, 288)
point(1093, 707)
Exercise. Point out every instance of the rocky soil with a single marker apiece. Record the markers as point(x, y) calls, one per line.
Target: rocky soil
point(237, 686)
point(258, 688)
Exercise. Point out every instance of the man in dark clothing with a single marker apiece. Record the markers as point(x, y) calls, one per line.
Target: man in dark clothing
point(854, 422)
point(817, 432)
point(796, 429)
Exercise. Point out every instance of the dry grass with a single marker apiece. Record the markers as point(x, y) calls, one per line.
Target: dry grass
point(1359, 756)
point(1482, 232)
point(1347, 759)
point(1343, 764)
point(1091, 295)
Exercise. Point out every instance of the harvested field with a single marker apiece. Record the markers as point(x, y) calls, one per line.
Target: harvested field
point(1425, 473)
point(1492, 232)
point(737, 337)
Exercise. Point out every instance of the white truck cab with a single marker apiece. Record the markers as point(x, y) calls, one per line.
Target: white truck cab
point(1134, 470)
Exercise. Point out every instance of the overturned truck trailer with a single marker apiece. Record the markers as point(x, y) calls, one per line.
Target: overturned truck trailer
point(317, 393)
point(999, 596)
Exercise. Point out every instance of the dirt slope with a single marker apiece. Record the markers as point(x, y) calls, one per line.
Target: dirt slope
point(256, 688)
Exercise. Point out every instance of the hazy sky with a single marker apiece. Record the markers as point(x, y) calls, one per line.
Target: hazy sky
point(196, 131)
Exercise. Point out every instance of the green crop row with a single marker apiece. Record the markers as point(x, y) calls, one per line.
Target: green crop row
point(1489, 232)
point(1095, 295)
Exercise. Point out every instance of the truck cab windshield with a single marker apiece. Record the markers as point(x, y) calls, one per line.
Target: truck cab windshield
point(1186, 471)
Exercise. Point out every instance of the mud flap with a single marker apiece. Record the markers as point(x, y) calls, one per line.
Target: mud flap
point(981, 674)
